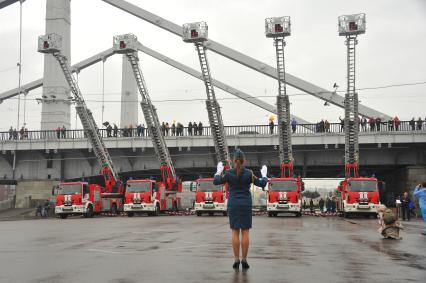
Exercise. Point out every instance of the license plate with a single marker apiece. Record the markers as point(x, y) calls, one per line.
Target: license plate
point(67, 208)
point(137, 206)
point(208, 206)
point(363, 206)
point(284, 206)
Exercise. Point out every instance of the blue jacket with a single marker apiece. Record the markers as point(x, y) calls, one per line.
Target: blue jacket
point(239, 187)
point(420, 193)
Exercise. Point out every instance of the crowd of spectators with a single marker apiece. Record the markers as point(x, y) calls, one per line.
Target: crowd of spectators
point(197, 129)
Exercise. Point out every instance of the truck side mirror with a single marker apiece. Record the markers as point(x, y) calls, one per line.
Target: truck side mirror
point(302, 187)
point(382, 186)
point(54, 190)
point(193, 187)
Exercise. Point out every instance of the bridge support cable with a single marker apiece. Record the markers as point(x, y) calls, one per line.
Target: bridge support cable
point(51, 44)
point(197, 33)
point(243, 59)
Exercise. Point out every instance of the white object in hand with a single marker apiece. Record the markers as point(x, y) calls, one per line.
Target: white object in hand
point(264, 171)
point(219, 168)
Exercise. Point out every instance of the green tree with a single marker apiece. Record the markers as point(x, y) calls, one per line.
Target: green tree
point(311, 194)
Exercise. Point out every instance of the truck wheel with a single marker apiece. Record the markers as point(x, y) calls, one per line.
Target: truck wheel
point(298, 214)
point(89, 213)
point(269, 214)
point(157, 210)
point(211, 213)
point(345, 215)
point(225, 213)
point(63, 216)
point(114, 209)
point(198, 213)
point(130, 214)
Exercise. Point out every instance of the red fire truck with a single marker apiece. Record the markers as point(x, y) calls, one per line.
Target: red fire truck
point(146, 195)
point(81, 197)
point(285, 192)
point(210, 198)
point(359, 196)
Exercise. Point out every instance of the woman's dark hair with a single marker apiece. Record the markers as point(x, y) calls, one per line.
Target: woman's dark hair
point(424, 184)
point(239, 159)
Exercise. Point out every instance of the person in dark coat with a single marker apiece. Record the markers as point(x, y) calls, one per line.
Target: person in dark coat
point(321, 204)
point(311, 205)
point(190, 128)
point(200, 128)
point(195, 128)
point(405, 201)
point(239, 180)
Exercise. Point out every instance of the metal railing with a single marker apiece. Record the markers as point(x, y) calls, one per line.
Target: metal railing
point(300, 129)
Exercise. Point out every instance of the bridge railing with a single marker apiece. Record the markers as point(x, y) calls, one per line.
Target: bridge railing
point(300, 129)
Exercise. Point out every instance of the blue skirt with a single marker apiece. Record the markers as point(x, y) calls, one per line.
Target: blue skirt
point(240, 214)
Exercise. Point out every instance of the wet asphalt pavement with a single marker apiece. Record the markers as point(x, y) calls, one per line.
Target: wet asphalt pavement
point(197, 249)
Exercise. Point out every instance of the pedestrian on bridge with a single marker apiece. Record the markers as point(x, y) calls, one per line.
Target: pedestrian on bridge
point(190, 129)
point(195, 128)
point(271, 127)
point(419, 124)
point(412, 124)
point(420, 193)
point(396, 122)
point(364, 124)
point(342, 124)
point(372, 123)
point(293, 125)
point(200, 128)
point(115, 131)
point(239, 180)
point(378, 123)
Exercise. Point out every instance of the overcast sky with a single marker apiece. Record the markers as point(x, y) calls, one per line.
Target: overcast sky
point(391, 52)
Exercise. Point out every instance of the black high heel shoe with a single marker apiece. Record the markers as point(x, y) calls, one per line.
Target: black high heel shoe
point(244, 264)
point(236, 264)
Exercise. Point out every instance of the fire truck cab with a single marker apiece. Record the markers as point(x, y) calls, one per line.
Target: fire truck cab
point(78, 198)
point(358, 196)
point(284, 196)
point(150, 197)
point(141, 197)
point(210, 198)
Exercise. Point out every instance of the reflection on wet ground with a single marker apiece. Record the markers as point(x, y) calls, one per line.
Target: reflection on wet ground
point(194, 249)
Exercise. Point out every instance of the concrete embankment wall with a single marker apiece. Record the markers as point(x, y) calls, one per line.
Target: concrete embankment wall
point(28, 193)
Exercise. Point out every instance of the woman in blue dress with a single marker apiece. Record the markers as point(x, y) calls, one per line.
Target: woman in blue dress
point(239, 180)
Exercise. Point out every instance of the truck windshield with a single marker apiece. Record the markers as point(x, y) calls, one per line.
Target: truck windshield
point(137, 187)
point(69, 189)
point(208, 186)
point(362, 186)
point(283, 186)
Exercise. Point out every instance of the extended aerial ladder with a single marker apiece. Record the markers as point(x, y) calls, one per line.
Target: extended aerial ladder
point(51, 43)
point(285, 192)
point(358, 194)
point(197, 33)
point(278, 28)
point(128, 44)
point(350, 27)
